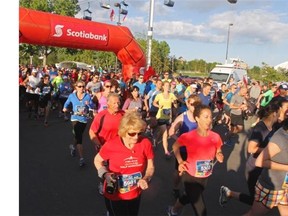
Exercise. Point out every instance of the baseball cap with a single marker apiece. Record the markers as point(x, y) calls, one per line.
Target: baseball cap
point(34, 70)
point(65, 77)
point(193, 85)
point(283, 86)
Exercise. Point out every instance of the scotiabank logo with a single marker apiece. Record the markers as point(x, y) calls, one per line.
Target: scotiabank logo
point(58, 31)
point(77, 33)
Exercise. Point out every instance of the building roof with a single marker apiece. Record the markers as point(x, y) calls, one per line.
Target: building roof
point(283, 65)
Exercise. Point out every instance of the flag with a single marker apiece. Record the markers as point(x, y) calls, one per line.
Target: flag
point(245, 81)
point(150, 72)
point(112, 15)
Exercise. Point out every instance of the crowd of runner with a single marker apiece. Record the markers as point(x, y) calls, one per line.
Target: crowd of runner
point(198, 116)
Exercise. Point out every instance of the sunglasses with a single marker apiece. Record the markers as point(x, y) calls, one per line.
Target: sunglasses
point(80, 86)
point(108, 86)
point(134, 134)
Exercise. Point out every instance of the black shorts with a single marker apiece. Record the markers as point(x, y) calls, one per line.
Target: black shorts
point(237, 119)
point(163, 122)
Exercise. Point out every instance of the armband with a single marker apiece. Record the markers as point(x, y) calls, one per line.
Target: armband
point(102, 171)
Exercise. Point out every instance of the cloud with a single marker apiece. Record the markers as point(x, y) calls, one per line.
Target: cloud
point(249, 26)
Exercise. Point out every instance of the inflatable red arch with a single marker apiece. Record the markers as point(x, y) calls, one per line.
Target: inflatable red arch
point(42, 28)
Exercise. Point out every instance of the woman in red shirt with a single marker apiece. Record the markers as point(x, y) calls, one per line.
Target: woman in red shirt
point(203, 146)
point(130, 166)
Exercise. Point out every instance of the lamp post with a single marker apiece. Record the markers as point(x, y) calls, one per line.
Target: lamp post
point(228, 36)
point(150, 33)
point(168, 3)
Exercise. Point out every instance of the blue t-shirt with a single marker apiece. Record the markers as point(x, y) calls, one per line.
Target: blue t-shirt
point(205, 99)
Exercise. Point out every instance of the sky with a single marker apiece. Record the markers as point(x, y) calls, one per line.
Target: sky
point(198, 29)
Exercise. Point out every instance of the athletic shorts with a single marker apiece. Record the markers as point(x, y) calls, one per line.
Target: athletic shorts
point(163, 122)
point(270, 198)
point(236, 120)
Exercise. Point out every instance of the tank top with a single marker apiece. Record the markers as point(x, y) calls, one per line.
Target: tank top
point(102, 103)
point(187, 125)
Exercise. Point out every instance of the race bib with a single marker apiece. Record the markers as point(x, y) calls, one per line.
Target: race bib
point(204, 168)
point(127, 183)
point(167, 112)
point(81, 110)
point(285, 183)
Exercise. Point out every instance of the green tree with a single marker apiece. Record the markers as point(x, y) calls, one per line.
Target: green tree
point(62, 7)
point(267, 74)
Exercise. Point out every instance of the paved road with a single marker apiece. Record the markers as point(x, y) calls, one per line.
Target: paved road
point(51, 182)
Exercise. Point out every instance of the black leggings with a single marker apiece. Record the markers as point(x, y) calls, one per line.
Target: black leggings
point(78, 130)
point(194, 188)
point(123, 207)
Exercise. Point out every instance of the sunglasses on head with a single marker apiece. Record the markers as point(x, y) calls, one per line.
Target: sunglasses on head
point(134, 134)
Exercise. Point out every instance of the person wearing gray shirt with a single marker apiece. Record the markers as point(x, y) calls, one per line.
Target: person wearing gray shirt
point(237, 105)
point(271, 190)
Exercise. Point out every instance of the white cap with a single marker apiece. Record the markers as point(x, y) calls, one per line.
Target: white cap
point(34, 70)
point(193, 85)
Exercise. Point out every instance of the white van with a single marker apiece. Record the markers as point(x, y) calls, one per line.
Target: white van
point(222, 73)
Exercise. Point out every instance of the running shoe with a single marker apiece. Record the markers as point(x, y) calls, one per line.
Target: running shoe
point(223, 198)
point(81, 162)
point(72, 150)
point(101, 188)
point(170, 213)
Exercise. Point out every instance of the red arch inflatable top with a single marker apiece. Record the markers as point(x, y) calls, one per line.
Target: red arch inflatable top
point(42, 28)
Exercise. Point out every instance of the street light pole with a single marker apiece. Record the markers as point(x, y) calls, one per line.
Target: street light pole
point(228, 36)
point(150, 34)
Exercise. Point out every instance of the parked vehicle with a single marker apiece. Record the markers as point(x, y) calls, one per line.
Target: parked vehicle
point(236, 69)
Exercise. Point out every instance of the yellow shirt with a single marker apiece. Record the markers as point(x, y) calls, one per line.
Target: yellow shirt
point(166, 105)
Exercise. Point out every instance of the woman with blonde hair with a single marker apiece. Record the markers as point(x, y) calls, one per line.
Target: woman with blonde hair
point(130, 167)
